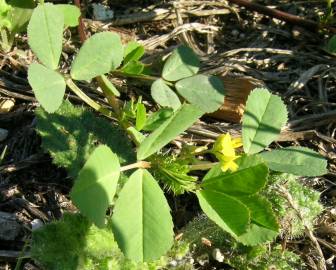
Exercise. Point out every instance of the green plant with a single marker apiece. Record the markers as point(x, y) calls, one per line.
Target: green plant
point(328, 17)
point(222, 247)
point(15, 15)
point(229, 194)
point(87, 247)
point(305, 199)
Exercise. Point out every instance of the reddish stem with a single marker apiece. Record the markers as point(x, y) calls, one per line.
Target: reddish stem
point(81, 32)
point(281, 15)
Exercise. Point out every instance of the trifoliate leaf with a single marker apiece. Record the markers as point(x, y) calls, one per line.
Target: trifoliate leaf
point(141, 221)
point(240, 183)
point(296, 160)
point(182, 63)
point(256, 234)
point(20, 14)
point(226, 211)
point(48, 86)
point(133, 51)
point(71, 14)
point(164, 95)
point(264, 116)
point(96, 184)
point(183, 118)
point(45, 34)
point(100, 54)
point(204, 92)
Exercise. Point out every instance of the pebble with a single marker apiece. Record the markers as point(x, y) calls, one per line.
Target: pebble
point(218, 255)
point(102, 13)
point(242, 36)
point(3, 134)
point(36, 224)
point(6, 105)
point(235, 32)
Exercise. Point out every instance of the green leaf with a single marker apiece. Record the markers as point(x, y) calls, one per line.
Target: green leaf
point(182, 63)
point(141, 221)
point(182, 119)
point(100, 54)
point(261, 211)
point(256, 235)
point(296, 160)
point(133, 68)
point(264, 116)
point(71, 14)
point(242, 182)
point(71, 134)
point(205, 92)
point(244, 162)
point(96, 185)
point(164, 96)
point(227, 212)
point(331, 45)
point(133, 51)
point(140, 116)
point(48, 86)
point(156, 119)
point(20, 14)
point(45, 34)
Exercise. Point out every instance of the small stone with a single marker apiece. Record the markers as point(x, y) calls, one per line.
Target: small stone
point(102, 13)
point(203, 259)
point(173, 263)
point(218, 255)
point(235, 32)
point(3, 134)
point(6, 105)
point(36, 224)
point(242, 36)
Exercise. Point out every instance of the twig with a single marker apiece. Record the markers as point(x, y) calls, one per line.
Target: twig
point(281, 15)
point(34, 159)
point(331, 115)
point(321, 264)
point(11, 255)
point(327, 245)
point(81, 31)
point(164, 14)
point(156, 41)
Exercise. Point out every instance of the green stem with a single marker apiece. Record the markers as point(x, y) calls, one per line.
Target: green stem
point(104, 111)
point(141, 77)
point(74, 88)
point(203, 166)
point(112, 100)
point(22, 257)
point(139, 164)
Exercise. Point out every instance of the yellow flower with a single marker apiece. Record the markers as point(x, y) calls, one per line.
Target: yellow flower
point(224, 150)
